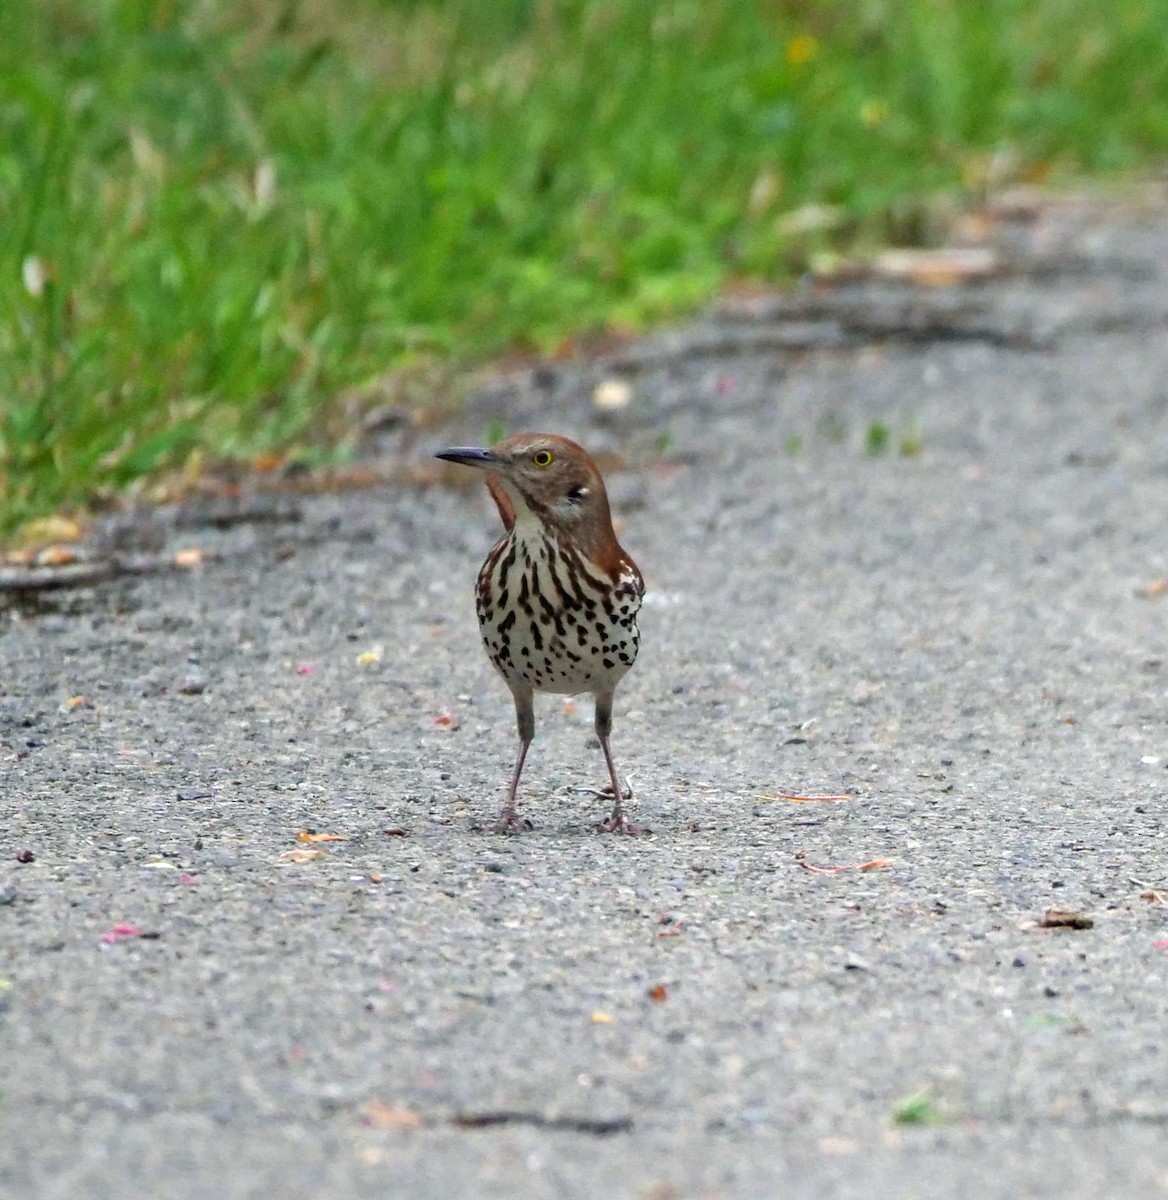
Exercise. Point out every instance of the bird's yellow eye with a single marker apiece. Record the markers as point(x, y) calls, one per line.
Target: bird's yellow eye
point(542, 458)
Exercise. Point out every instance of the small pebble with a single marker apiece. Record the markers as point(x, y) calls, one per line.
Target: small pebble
point(194, 684)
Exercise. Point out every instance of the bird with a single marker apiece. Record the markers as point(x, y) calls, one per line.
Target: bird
point(557, 597)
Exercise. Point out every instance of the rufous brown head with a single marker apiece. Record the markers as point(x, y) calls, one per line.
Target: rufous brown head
point(546, 479)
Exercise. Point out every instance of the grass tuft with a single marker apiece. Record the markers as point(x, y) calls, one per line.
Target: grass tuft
point(918, 1109)
point(220, 215)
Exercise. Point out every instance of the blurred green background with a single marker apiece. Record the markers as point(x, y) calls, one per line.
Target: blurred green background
point(218, 216)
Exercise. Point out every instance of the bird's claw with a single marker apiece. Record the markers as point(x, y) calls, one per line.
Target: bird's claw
point(619, 823)
point(511, 822)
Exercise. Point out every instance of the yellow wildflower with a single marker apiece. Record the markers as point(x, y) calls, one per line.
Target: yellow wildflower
point(802, 49)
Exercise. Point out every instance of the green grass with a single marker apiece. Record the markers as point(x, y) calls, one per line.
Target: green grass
point(877, 438)
point(217, 216)
point(918, 1109)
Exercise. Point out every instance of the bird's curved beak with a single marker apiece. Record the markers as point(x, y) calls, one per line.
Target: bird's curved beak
point(470, 456)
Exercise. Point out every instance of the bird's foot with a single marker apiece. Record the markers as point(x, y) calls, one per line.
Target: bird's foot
point(511, 822)
point(619, 823)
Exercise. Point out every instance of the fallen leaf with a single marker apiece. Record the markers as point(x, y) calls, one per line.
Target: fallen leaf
point(657, 993)
point(379, 1115)
point(602, 1018)
point(368, 657)
point(1157, 587)
point(1152, 896)
point(301, 856)
point(446, 720)
point(1065, 918)
point(119, 933)
point(374, 877)
point(872, 864)
point(77, 702)
point(307, 835)
point(56, 556)
point(191, 556)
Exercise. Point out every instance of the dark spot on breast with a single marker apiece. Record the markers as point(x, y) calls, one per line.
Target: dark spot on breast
point(505, 567)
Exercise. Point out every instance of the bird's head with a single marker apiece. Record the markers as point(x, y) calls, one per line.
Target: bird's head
point(544, 478)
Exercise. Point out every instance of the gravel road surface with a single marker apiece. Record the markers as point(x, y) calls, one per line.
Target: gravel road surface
point(905, 546)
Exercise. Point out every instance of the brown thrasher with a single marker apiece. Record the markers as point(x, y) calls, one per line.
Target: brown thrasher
point(557, 597)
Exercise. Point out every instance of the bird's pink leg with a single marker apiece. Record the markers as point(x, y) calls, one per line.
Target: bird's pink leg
point(509, 819)
point(619, 821)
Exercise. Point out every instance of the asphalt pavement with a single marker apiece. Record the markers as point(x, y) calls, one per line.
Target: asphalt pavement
point(899, 729)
